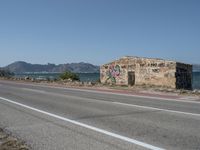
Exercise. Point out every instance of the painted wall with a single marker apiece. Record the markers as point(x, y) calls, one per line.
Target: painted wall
point(114, 74)
point(147, 72)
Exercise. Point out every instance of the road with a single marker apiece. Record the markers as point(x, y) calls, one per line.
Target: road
point(50, 118)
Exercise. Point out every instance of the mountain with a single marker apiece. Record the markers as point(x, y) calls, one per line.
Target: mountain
point(196, 68)
point(21, 66)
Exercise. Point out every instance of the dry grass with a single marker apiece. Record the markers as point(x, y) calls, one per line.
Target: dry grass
point(8, 142)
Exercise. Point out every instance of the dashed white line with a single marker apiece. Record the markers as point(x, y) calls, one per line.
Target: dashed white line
point(127, 139)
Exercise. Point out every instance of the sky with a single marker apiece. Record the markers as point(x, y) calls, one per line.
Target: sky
point(98, 31)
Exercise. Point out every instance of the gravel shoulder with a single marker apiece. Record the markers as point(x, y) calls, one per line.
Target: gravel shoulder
point(8, 142)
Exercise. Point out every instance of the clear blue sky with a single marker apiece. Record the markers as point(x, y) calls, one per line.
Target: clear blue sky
point(98, 31)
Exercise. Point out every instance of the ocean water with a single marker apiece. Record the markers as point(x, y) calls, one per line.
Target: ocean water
point(84, 77)
point(196, 80)
point(92, 77)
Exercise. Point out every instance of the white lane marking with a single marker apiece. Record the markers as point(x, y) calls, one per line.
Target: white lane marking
point(153, 108)
point(33, 90)
point(142, 144)
point(111, 93)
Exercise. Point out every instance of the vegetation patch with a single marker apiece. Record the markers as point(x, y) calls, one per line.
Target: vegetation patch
point(69, 76)
point(5, 73)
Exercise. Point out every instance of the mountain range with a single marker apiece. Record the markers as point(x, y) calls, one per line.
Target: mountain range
point(21, 67)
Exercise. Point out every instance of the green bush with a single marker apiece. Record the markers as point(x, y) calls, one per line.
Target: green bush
point(5, 73)
point(69, 75)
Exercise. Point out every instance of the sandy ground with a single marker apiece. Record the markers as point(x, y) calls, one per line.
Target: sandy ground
point(8, 142)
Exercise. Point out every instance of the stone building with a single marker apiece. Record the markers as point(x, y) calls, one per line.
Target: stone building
point(147, 71)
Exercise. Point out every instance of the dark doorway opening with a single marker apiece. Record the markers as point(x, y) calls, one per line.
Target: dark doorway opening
point(131, 78)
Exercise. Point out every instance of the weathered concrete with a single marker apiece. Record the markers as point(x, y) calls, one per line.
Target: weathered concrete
point(147, 71)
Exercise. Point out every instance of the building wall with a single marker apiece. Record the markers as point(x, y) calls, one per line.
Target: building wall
point(147, 71)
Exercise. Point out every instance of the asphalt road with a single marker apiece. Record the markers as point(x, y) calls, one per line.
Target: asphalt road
point(50, 118)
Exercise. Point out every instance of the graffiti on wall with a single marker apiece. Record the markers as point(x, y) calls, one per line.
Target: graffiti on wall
point(113, 73)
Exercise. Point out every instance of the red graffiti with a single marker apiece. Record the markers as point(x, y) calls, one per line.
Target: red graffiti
point(114, 71)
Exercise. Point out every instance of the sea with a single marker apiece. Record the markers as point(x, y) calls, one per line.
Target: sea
point(92, 77)
point(84, 77)
point(196, 80)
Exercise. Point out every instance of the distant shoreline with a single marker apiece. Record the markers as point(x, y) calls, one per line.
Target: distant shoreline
point(54, 72)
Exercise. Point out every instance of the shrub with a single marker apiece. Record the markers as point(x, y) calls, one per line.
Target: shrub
point(5, 73)
point(69, 75)
point(98, 80)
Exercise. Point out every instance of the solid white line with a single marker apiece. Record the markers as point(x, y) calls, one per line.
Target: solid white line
point(145, 145)
point(153, 108)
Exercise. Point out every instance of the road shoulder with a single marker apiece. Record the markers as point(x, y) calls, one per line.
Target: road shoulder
point(8, 142)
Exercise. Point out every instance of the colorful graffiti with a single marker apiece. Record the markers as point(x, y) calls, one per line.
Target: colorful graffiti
point(113, 73)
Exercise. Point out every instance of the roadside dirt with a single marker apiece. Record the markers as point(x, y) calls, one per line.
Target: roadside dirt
point(8, 142)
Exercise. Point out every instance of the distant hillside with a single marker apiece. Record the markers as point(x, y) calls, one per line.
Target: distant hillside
point(196, 68)
point(20, 66)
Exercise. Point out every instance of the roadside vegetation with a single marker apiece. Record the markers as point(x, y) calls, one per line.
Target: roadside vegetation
point(69, 76)
point(5, 73)
point(8, 142)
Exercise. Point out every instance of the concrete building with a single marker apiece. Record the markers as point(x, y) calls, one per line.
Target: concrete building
point(147, 71)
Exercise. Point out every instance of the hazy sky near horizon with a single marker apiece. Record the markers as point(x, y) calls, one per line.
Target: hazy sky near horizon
point(98, 31)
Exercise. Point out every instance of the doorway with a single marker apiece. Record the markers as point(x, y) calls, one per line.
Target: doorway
point(131, 78)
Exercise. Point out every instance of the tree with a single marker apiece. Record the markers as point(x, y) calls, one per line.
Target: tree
point(69, 75)
point(5, 73)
